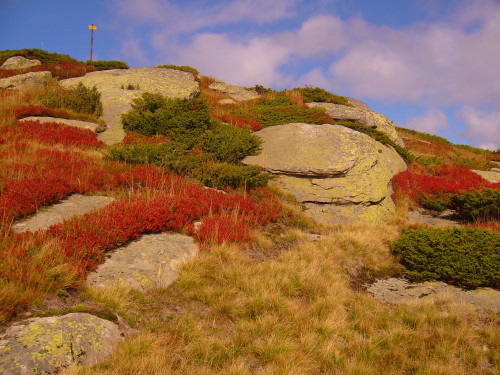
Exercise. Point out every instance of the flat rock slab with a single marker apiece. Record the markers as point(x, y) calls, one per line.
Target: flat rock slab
point(237, 93)
point(79, 124)
point(398, 291)
point(74, 205)
point(151, 261)
point(117, 100)
point(47, 345)
point(492, 176)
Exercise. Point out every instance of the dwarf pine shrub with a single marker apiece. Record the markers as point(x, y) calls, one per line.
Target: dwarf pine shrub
point(80, 99)
point(227, 143)
point(108, 65)
point(479, 205)
point(318, 94)
point(468, 257)
point(183, 120)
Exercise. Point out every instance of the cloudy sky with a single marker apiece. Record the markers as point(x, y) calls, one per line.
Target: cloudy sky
point(430, 65)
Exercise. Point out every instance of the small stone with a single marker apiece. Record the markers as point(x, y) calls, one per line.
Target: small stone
point(19, 62)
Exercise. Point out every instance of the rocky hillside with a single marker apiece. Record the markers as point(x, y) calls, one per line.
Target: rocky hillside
point(158, 221)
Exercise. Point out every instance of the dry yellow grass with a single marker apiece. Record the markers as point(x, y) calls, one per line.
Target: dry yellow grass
point(297, 314)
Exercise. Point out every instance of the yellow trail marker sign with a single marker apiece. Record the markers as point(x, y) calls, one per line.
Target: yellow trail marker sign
point(93, 27)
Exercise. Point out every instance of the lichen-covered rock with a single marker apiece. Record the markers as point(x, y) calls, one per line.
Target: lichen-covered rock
point(238, 93)
point(493, 175)
point(339, 174)
point(151, 261)
point(73, 205)
point(362, 114)
point(32, 79)
point(116, 98)
point(78, 123)
point(47, 345)
point(19, 62)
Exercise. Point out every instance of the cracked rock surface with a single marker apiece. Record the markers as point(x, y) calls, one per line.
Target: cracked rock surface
point(340, 175)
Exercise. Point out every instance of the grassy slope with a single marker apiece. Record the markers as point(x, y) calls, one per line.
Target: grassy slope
point(288, 306)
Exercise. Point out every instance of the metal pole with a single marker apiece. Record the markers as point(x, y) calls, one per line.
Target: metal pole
point(91, 42)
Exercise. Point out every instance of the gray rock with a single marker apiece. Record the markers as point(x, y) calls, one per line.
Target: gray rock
point(340, 175)
point(19, 62)
point(235, 92)
point(362, 114)
point(226, 101)
point(47, 345)
point(492, 175)
point(33, 79)
point(398, 291)
point(151, 261)
point(79, 124)
point(72, 206)
point(116, 101)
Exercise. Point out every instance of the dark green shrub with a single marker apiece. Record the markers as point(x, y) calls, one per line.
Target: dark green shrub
point(80, 99)
point(183, 120)
point(36, 54)
point(317, 94)
point(465, 256)
point(480, 205)
point(108, 65)
point(378, 136)
point(182, 161)
point(280, 110)
point(229, 144)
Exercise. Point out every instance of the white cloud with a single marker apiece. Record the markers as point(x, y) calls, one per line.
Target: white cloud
point(244, 63)
point(131, 50)
point(482, 126)
point(432, 121)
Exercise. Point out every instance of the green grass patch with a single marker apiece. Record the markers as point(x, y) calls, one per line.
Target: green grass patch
point(468, 257)
point(477, 205)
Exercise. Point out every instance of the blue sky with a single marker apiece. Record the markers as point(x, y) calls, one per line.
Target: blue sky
point(430, 65)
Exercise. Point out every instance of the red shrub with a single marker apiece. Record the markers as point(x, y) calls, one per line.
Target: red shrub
point(53, 132)
point(238, 121)
point(419, 185)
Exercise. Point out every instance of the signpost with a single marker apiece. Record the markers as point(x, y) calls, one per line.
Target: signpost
point(92, 28)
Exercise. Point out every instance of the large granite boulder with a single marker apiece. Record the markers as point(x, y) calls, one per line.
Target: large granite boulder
point(116, 98)
point(237, 93)
point(47, 345)
point(361, 113)
point(19, 62)
point(33, 79)
point(493, 175)
point(340, 175)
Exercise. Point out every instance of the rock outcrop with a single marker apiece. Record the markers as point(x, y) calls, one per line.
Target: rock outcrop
point(340, 175)
point(47, 345)
point(362, 114)
point(33, 79)
point(151, 261)
point(19, 62)
point(79, 124)
point(116, 98)
point(237, 93)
